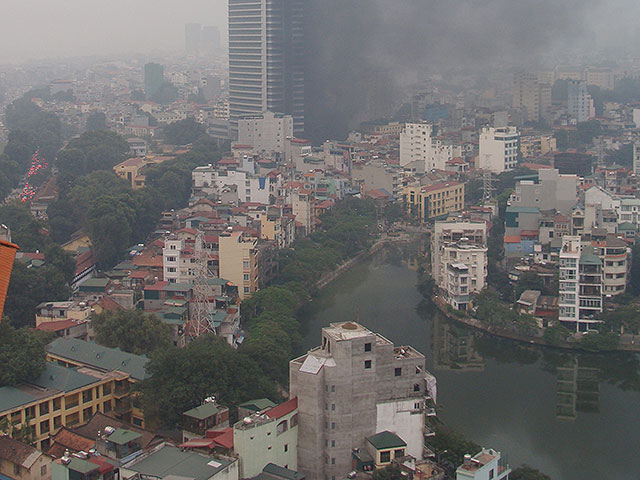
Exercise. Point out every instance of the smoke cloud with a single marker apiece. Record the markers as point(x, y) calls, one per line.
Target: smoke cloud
point(351, 44)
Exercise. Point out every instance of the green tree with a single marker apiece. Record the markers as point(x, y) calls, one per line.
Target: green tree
point(525, 472)
point(183, 132)
point(132, 331)
point(452, 446)
point(391, 472)
point(181, 378)
point(26, 231)
point(97, 121)
point(22, 354)
point(102, 150)
point(587, 131)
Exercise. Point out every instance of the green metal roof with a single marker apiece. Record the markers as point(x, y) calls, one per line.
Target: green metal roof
point(178, 287)
point(217, 281)
point(257, 405)
point(94, 283)
point(82, 466)
point(61, 378)
point(122, 436)
point(588, 258)
point(12, 397)
point(385, 440)
point(103, 358)
point(627, 226)
point(203, 411)
point(281, 472)
point(171, 461)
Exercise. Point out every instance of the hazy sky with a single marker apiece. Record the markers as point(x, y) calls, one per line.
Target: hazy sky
point(46, 28)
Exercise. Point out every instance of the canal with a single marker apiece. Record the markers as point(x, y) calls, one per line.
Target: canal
point(573, 416)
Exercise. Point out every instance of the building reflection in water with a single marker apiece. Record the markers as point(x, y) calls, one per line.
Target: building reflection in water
point(577, 389)
point(454, 347)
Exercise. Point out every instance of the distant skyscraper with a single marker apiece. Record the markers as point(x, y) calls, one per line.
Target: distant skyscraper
point(192, 33)
point(579, 101)
point(531, 96)
point(153, 78)
point(209, 39)
point(266, 59)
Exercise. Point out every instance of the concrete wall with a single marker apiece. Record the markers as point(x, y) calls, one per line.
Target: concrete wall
point(402, 418)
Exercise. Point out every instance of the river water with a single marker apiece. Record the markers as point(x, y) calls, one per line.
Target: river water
point(573, 416)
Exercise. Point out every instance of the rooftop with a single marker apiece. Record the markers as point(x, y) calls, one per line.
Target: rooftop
point(100, 357)
point(203, 411)
point(166, 460)
point(121, 436)
point(385, 440)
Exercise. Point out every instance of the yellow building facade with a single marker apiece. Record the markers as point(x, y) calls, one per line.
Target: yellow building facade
point(430, 201)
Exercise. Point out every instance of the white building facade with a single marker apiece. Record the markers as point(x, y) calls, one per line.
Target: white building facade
point(499, 149)
point(266, 132)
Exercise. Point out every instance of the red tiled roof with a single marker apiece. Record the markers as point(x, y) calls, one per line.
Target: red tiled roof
point(512, 239)
point(283, 409)
point(57, 325)
point(84, 261)
point(147, 260)
point(157, 287)
point(110, 304)
point(67, 439)
point(224, 437)
point(139, 274)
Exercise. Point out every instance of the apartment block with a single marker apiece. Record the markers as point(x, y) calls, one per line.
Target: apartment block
point(238, 254)
point(418, 143)
point(580, 287)
point(278, 226)
point(356, 384)
point(498, 149)
point(430, 201)
point(63, 397)
point(455, 241)
point(268, 436)
point(531, 96)
point(266, 132)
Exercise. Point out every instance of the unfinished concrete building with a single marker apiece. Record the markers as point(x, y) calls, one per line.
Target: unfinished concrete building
point(354, 385)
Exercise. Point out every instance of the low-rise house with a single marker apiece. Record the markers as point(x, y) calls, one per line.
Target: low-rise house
point(384, 447)
point(198, 420)
point(19, 461)
point(485, 465)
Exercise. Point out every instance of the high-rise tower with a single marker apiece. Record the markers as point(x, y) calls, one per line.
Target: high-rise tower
point(266, 59)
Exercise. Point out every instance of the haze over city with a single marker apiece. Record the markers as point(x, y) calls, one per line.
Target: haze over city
point(319, 239)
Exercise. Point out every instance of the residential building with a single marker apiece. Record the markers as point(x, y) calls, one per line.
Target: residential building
point(487, 464)
point(449, 242)
point(268, 436)
point(614, 255)
point(376, 175)
point(551, 190)
point(463, 281)
point(498, 149)
point(354, 385)
point(130, 169)
point(384, 447)
point(125, 368)
point(266, 59)
point(278, 226)
point(457, 286)
point(62, 397)
point(192, 35)
point(178, 260)
point(265, 132)
point(573, 163)
point(209, 415)
point(167, 462)
point(418, 143)
point(84, 466)
point(209, 180)
point(636, 157)
point(153, 79)
point(58, 311)
point(531, 96)
point(302, 208)
point(537, 145)
point(579, 101)
point(238, 254)
point(19, 461)
point(431, 201)
point(580, 287)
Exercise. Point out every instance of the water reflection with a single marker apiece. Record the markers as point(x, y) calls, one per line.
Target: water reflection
point(454, 347)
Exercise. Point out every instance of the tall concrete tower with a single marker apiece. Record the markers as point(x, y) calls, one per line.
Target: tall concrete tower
point(266, 59)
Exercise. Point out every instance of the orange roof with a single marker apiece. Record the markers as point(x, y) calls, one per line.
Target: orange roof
point(57, 325)
point(283, 409)
point(7, 254)
point(512, 239)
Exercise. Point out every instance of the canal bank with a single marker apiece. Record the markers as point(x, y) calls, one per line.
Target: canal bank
point(571, 415)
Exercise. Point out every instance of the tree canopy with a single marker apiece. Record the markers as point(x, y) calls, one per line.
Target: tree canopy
point(22, 354)
point(132, 331)
point(93, 150)
point(181, 378)
point(183, 132)
point(525, 472)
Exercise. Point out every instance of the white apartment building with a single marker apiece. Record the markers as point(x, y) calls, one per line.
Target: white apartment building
point(579, 101)
point(457, 242)
point(580, 287)
point(487, 464)
point(250, 188)
point(266, 132)
point(499, 149)
point(178, 263)
point(418, 144)
point(473, 256)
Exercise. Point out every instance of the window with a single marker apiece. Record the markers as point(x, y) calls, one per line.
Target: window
point(245, 277)
point(333, 460)
point(286, 447)
point(87, 396)
point(416, 387)
point(16, 469)
point(333, 425)
point(43, 470)
point(398, 372)
point(490, 474)
point(385, 457)
point(106, 389)
point(367, 347)
point(137, 421)
point(333, 407)
point(333, 443)
point(246, 289)
point(106, 407)
point(367, 364)
point(399, 453)
point(44, 427)
point(333, 388)
point(44, 408)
